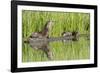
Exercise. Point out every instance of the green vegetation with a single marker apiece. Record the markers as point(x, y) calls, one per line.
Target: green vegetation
point(34, 21)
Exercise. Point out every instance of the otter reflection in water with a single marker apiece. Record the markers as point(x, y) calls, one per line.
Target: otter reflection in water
point(43, 34)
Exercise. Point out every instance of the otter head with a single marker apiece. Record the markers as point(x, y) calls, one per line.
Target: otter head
point(49, 24)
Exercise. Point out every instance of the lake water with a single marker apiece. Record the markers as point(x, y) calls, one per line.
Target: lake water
point(61, 50)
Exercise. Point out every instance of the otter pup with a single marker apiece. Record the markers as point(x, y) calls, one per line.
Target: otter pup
point(68, 34)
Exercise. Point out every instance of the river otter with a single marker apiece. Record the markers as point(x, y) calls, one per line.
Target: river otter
point(68, 34)
point(43, 34)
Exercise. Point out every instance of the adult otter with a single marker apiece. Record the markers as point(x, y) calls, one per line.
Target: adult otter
point(43, 34)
